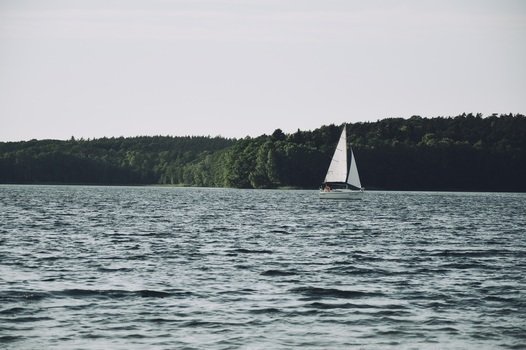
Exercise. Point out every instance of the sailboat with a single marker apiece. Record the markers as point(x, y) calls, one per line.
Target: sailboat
point(342, 182)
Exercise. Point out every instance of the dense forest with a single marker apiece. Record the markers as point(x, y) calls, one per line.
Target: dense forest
point(467, 152)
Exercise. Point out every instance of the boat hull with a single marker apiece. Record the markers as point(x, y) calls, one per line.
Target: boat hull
point(341, 194)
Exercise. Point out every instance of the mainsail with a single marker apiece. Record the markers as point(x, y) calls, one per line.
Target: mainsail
point(338, 169)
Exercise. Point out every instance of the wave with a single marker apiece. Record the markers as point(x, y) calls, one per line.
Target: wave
point(467, 266)
point(14, 296)
point(318, 293)
point(267, 310)
point(114, 293)
point(352, 270)
point(278, 273)
point(253, 251)
point(9, 338)
point(27, 319)
point(12, 311)
point(108, 269)
point(474, 252)
point(327, 306)
point(18, 295)
point(279, 231)
point(502, 299)
point(385, 310)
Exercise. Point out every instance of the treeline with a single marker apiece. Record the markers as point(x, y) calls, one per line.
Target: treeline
point(133, 160)
point(467, 152)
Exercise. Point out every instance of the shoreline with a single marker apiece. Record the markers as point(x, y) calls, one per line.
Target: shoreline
point(283, 188)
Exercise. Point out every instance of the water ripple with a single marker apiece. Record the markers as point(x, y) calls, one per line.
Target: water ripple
point(161, 268)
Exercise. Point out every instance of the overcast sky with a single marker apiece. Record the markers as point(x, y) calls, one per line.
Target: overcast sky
point(93, 68)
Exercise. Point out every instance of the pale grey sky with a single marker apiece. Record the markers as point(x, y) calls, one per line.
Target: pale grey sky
point(93, 68)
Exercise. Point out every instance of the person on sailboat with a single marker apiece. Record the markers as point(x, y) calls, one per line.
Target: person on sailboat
point(327, 188)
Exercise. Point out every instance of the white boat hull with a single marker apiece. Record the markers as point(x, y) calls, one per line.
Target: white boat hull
point(341, 194)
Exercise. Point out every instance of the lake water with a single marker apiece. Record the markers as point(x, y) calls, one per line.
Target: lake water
point(185, 268)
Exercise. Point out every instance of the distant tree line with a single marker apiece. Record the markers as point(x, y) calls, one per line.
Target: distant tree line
point(467, 152)
point(133, 160)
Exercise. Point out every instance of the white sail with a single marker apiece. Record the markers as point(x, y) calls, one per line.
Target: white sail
point(354, 178)
point(338, 169)
point(338, 174)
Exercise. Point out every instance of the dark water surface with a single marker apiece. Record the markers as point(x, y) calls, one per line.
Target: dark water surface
point(178, 268)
